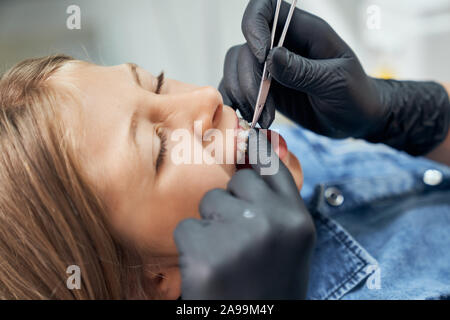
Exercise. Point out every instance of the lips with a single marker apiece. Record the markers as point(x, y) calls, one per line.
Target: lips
point(279, 145)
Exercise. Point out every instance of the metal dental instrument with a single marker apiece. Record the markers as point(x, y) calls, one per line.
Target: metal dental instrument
point(266, 80)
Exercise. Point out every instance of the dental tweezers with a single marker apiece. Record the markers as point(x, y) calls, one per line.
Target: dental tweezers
point(266, 80)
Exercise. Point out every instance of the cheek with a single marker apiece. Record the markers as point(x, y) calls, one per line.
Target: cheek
point(178, 198)
point(196, 181)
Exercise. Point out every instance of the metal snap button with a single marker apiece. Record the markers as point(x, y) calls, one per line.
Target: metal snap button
point(334, 197)
point(432, 177)
point(248, 214)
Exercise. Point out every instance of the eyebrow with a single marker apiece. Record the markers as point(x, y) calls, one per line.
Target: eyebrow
point(133, 69)
point(133, 122)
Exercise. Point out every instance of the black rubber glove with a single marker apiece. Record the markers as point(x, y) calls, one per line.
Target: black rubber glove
point(254, 241)
point(321, 85)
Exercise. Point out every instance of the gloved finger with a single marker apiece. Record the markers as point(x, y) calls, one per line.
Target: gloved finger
point(301, 112)
point(250, 74)
point(231, 85)
point(249, 77)
point(303, 74)
point(308, 34)
point(220, 205)
point(256, 27)
point(197, 242)
point(226, 100)
point(212, 245)
point(189, 233)
point(247, 185)
point(268, 114)
point(266, 163)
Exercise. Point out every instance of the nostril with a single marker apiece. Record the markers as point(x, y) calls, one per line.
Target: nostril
point(217, 115)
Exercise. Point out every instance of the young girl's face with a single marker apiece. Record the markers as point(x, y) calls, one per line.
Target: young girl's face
point(125, 129)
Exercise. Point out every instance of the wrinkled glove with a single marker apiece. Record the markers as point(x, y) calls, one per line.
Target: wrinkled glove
point(321, 85)
point(254, 241)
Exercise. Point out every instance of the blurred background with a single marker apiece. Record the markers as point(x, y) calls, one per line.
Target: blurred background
point(188, 39)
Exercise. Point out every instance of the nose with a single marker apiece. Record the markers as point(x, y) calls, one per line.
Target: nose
point(202, 106)
point(210, 107)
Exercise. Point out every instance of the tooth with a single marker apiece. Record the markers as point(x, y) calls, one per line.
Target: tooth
point(242, 146)
point(240, 157)
point(243, 135)
point(244, 124)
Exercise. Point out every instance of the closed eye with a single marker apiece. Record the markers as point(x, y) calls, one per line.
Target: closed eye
point(162, 151)
point(160, 83)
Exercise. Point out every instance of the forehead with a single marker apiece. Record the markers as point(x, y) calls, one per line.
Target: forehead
point(91, 78)
point(105, 97)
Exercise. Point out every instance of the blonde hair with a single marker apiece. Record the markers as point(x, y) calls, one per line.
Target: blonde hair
point(50, 215)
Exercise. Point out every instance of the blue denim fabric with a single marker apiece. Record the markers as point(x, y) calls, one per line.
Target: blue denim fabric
point(390, 238)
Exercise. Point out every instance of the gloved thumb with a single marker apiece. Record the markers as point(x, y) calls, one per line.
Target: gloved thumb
point(226, 99)
point(299, 73)
point(266, 162)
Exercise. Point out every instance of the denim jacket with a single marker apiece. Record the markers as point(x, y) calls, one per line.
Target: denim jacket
point(382, 219)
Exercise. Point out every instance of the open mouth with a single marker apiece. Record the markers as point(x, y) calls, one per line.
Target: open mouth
point(242, 135)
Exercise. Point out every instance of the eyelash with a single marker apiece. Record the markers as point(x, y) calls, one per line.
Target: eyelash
point(162, 136)
point(162, 152)
point(160, 83)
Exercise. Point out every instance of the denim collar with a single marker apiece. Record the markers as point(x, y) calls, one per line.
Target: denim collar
point(359, 192)
point(340, 263)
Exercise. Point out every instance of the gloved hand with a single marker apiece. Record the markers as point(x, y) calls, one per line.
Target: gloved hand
point(321, 85)
point(254, 241)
